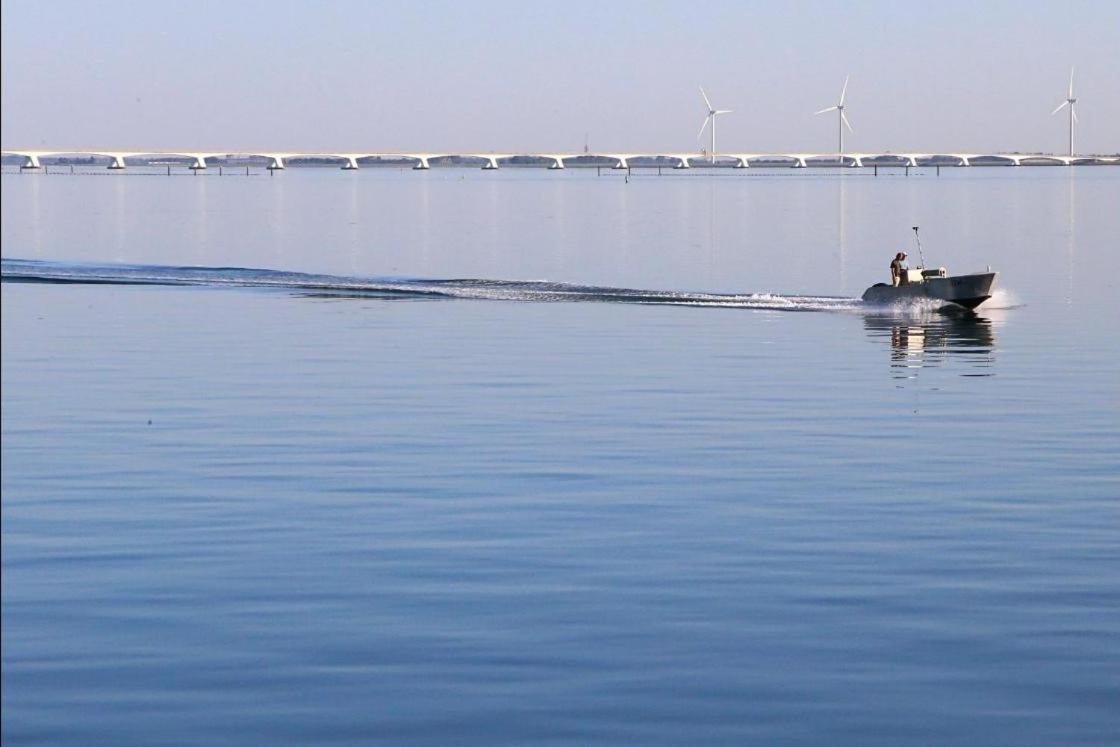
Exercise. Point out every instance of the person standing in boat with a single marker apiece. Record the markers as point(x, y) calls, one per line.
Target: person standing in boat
point(898, 266)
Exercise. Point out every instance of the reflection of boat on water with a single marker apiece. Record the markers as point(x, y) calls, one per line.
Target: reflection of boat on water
point(968, 291)
point(930, 339)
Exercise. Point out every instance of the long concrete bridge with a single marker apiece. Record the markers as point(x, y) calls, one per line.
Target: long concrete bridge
point(349, 160)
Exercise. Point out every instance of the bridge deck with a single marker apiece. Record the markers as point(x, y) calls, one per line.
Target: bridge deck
point(118, 159)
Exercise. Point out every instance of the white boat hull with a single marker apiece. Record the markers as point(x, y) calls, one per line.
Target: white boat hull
point(968, 291)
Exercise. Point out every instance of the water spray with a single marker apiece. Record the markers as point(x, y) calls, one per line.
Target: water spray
point(921, 257)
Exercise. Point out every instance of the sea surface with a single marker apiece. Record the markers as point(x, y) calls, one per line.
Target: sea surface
point(525, 457)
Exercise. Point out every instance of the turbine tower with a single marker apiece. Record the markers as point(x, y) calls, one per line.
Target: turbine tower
point(1070, 102)
point(843, 120)
point(712, 114)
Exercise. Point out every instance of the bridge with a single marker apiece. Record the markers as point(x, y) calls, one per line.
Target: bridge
point(350, 161)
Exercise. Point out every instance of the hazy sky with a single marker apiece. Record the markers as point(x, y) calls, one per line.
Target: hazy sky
point(534, 76)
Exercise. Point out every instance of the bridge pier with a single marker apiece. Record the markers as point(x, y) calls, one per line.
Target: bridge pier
point(199, 163)
point(117, 163)
point(351, 164)
point(421, 165)
point(32, 162)
point(277, 164)
point(557, 163)
point(490, 165)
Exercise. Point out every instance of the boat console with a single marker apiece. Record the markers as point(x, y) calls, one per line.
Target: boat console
point(921, 274)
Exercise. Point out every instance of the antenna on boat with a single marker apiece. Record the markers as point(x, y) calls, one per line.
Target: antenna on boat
point(919, 240)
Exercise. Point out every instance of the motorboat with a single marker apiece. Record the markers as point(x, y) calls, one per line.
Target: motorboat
point(964, 291)
point(968, 291)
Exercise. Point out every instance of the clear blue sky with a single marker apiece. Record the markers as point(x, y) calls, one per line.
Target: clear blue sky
point(520, 75)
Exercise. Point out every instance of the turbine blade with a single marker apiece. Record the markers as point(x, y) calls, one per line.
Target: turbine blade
point(723, 111)
point(1074, 112)
point(1061, 106)
point(846, 122)
point(844, 90)
point(704, 126)
point(709, 103)
point(1071, 82)
point(822, 111)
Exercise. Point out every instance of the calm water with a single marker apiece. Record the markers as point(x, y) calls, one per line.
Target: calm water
point(353, 506)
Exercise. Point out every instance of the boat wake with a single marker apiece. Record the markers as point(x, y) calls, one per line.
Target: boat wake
point(35, 271)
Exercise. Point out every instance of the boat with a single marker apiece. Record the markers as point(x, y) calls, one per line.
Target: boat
point(968, 291)
point(960, 291)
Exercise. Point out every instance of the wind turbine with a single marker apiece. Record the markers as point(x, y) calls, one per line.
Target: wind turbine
point(1070, 102)
point(843, 121)
point(712, 114)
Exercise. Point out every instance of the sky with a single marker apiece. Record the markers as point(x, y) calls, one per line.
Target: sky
point(512, 75)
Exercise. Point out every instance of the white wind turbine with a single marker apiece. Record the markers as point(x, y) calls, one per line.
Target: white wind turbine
point(843, 120)
point(1070, 102)
point(712, 114)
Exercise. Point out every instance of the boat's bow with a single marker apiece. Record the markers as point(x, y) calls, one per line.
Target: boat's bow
point(968, 291)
